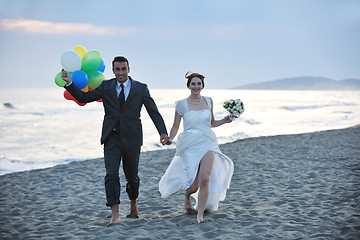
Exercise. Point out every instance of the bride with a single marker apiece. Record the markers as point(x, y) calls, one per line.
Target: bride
point(198, 167)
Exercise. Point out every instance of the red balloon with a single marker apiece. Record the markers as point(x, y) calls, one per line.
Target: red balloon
point(68, 96)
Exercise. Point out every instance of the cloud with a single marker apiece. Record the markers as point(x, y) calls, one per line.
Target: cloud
point(46, 27)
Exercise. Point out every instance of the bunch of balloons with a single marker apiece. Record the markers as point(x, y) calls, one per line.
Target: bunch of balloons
point(85, 68)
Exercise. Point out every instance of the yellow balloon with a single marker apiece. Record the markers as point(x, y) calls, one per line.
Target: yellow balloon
point(85, 89)
point(80, 50)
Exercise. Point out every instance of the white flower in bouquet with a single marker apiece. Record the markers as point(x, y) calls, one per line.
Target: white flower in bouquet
point(234, 107)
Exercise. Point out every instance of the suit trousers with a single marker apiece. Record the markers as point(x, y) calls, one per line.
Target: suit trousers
point(114, 152)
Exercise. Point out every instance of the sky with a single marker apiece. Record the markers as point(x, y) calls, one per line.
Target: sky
point(230, 42)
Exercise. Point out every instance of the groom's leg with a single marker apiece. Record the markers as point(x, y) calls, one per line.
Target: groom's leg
point(130, 167)
point(112, 158)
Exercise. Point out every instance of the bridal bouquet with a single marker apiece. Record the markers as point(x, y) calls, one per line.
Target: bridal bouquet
point(234, 107)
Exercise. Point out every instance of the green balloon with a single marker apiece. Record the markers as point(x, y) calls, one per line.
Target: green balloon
point(59, 81)
point(95, 78)
point(91, 60)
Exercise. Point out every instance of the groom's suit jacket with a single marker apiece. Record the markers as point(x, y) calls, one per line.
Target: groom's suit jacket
point(130, 127)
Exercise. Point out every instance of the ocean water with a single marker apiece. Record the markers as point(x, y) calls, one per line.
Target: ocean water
point(39, 128)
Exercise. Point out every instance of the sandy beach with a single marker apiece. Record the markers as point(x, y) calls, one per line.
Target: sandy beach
point(304, 186)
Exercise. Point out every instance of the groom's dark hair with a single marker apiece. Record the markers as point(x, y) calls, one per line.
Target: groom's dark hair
point(120, 59)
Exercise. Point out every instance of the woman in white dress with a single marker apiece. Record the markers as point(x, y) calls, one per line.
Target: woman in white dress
point(198, 167)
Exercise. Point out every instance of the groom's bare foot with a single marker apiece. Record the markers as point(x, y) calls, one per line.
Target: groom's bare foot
point(133, 207)
point(115, 220)
point(134, 211)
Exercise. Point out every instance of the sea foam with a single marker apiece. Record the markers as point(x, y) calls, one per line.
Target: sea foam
point(39, 128)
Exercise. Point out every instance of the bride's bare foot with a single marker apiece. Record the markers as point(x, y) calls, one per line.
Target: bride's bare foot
point(200, 216)
point(188, 204)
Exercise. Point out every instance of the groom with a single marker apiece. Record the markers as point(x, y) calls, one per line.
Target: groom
point(122, 98)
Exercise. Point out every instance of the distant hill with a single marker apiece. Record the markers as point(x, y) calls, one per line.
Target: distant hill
point(305, 83)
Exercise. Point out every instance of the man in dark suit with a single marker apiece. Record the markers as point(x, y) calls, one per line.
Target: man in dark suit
point(122, 98)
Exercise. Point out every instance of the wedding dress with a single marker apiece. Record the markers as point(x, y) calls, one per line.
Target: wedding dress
point(192, 144)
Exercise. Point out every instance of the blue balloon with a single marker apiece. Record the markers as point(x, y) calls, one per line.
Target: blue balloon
point(80, 78)
point(101, 67)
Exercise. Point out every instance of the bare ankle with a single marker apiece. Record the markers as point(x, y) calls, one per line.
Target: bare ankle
point(133, 207)
point(200, 217)
point(115, 220)
point(187, 202)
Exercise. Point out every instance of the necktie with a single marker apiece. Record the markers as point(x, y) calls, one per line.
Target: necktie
point(122, 96)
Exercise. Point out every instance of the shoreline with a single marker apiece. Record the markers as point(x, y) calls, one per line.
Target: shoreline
point(284, 187)
point(169, 149)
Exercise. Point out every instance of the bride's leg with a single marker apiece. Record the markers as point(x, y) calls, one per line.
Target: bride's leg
point(192, 189)
point(206, 165)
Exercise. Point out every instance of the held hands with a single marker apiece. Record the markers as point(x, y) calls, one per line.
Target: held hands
point(165, 140)
point(65, 76)
point(168, 142)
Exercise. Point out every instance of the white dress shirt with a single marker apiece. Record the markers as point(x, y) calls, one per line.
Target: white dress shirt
point(127, 86)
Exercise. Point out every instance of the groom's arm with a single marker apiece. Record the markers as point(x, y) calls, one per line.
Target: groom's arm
point(80, 96)
point(155, 116)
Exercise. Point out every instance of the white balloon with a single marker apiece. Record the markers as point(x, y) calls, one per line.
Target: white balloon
point(71, 61)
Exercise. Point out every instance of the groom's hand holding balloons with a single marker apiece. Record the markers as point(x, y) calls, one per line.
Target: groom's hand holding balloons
point(65, 76)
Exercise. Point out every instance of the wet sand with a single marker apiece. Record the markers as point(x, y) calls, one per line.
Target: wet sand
point(304, 186)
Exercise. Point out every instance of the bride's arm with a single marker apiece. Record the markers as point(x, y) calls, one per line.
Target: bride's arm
point(217, 123)
point(175, 126)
